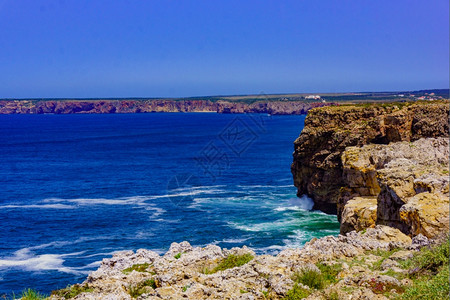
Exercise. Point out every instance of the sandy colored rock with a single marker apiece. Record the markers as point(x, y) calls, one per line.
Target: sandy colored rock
point(359, 213)
point(402, 171)
point(427, 214)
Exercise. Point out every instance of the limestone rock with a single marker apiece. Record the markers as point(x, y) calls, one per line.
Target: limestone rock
point(427, 214)
point(403, 171)
point(359, 213)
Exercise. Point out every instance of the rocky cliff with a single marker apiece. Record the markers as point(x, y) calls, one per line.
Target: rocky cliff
point(146, 106)
point(377, 164)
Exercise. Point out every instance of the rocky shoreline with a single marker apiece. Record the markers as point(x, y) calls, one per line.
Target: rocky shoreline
point(151, 106)
point(382, 168)
point(364, 265)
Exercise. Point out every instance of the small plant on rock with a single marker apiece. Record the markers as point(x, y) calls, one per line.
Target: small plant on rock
point(297, 293)
point(311, 278)
point(72, 291)
point(30, 294)
point(137, 268)
point(141, 288)
point(231, 261)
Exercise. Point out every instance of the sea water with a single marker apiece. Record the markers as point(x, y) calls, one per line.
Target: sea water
point(74, 189)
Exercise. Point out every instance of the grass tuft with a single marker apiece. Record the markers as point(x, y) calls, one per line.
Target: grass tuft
point(297, 293)
point(30, 294)
point(137, 268)
point(311, 278)
point(329, 272)
point(231, 261)
point(141, 288)
point(72, 291)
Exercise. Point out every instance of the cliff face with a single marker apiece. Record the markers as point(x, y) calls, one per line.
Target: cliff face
point(332, 175)
point(404, 185)
point(145, 106)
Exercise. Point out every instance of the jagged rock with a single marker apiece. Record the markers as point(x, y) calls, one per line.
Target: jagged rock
point(401, 255)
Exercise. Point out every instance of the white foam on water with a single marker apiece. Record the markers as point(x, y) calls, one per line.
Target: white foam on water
point(258, 186)
point(234, 241)
point(296, 240)
point(265, 226)
point(157, 212)
point(39, 206)
point(302, 203)
point(271, 249)
point(102, 254)
point(27, 260)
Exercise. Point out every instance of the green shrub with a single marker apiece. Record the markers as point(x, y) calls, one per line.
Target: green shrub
point(312, 278)
point(177, 256)
point(72, 291)
point(141, 288)
point(297, 293)
point(137, 268)
point(329, 272)
point(30, 294)
point(230, 262)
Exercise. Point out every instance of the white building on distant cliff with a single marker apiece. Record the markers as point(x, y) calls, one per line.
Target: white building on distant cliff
point(316, 97)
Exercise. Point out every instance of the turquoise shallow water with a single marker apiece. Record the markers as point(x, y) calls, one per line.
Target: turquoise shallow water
point(77, 188)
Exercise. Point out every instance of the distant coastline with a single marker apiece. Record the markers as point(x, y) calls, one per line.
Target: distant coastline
point(275, 104)
point(152, 106)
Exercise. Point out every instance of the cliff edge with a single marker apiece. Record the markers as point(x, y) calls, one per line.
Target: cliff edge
point(377, 164)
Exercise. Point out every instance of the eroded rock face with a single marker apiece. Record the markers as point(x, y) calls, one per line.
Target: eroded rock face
point(413, 185)
point(331, 167)
point(181, 272)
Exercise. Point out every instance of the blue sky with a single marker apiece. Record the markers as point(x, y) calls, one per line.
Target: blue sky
point(190, 48)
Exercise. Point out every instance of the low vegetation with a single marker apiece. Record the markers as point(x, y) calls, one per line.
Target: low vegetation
point(311, 278)
point(297, 293)
point(141, 288)
point(429, 270)
point(315, 279)
point(30, 294)
point(231, 261)
point(72, 291)
point(137, 268)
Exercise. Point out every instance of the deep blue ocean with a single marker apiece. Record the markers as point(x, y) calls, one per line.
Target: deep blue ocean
point(76, 188)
